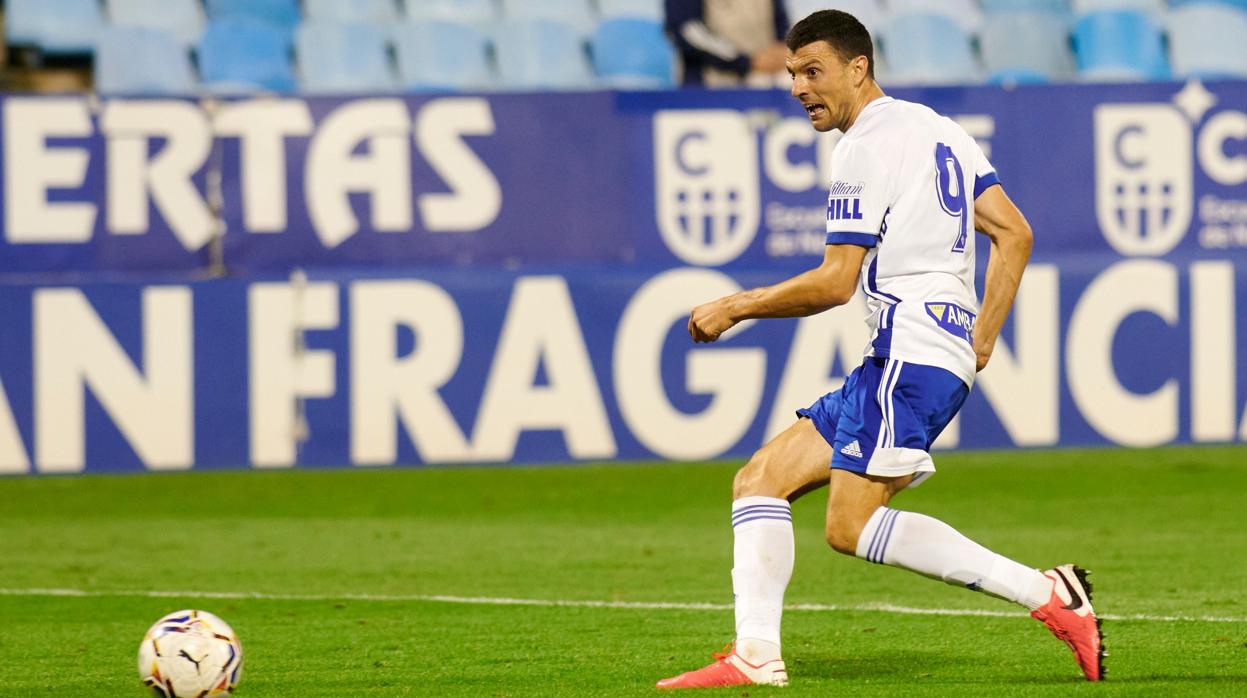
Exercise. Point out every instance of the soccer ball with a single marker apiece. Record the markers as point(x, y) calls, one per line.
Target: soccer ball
point(188, 654)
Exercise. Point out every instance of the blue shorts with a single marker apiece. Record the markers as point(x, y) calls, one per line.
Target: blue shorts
point(887, 415)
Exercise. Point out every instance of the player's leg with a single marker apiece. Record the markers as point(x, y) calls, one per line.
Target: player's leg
point(791, 464)
point(859, 522)
point(882, 446)
point(852, 500)
point(886, 427)
point(788, 466)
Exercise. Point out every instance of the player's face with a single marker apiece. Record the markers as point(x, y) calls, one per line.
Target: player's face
point(823, 82)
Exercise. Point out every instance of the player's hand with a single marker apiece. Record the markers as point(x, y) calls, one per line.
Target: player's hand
point(982, 354)
point(709, 320)
point(981, 362)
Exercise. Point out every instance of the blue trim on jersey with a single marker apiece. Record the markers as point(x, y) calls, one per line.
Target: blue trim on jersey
point(875, 295)
point(845, 238)
point(982, 183)
point(873, 285)
point(882, 344)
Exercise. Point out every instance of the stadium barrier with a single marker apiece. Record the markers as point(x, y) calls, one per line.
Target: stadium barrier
point(287, 282)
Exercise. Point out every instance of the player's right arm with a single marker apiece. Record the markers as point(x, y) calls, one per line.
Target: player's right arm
point(861, 189)
point(996, 216)
point(830, 284)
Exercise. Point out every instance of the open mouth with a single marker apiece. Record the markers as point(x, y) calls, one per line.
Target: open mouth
point(815, 110)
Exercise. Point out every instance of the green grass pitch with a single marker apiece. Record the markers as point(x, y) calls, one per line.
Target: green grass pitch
point(326, 576)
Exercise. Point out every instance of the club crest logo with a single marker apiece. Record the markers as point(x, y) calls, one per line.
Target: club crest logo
point(706, 184)
point(1144, 177)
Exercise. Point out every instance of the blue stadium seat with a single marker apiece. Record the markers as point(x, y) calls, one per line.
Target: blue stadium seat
point(141, 60)
point(540, 54)
point(928, 49)
point(1017, 76)
point(54, 26)
point(576, 13)
point(633, 53)
point(1240, 4)
point(245, 55)
point(1153, 8)
point(1058, 6)
point(1119, 45)
point(343, 57)
point(1208, 40)
point(639, 9)
point(376, 11)
point(1026, 46)
point(439, 55)
point(283, 13)
point(475, 11)
point(965, 13)
point(23, 22)
point(869, 12)
point(183, 19)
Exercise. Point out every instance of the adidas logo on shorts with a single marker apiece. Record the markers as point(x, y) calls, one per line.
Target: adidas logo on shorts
point(853, 450)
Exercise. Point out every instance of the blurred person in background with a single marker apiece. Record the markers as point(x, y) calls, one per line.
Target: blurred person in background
point(25, 68)
point(4, 51)
point(725, 43)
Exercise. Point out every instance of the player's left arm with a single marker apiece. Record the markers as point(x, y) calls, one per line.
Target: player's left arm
point(996, 216)
point(830, 284)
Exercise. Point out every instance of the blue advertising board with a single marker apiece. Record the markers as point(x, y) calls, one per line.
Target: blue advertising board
point(453, 366)
point(506, 279)
point(703, 178)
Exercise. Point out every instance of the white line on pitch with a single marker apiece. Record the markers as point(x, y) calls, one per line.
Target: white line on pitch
point(589, 603)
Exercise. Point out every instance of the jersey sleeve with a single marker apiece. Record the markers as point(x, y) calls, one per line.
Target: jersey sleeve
point(858, 198)
point(984, 173)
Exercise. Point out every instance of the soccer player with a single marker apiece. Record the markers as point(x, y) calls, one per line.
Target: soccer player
point(908, 190)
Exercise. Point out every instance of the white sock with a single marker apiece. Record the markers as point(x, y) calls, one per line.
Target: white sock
point(933, 548)
point(763, 554)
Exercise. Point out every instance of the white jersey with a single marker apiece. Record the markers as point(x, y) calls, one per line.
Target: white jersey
point(904, 180)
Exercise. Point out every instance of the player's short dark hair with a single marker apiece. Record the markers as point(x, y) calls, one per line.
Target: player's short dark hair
point(847, 36)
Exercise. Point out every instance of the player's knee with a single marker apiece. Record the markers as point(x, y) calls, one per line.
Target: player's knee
point(755, 479)
point(841, 541)
point(842, 532)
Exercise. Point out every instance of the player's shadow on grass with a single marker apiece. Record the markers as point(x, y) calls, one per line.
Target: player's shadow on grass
point(1145, 679)
point(846, 666)
point(970, 670)
point(916, 664)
